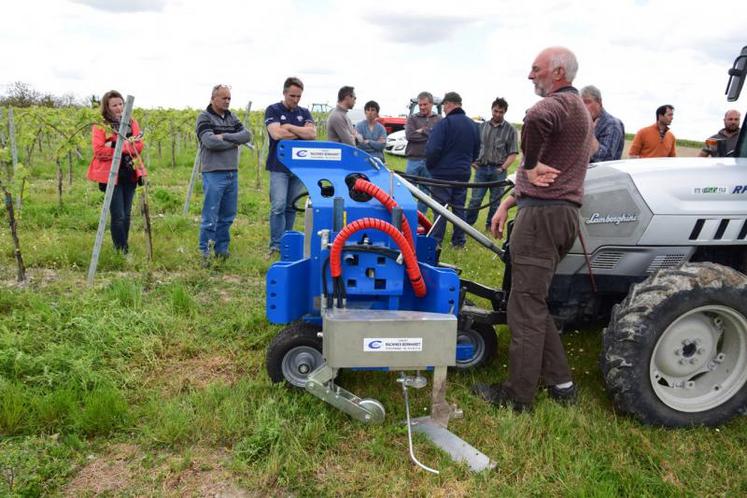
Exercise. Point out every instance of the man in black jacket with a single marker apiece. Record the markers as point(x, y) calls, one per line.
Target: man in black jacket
point(453, 145)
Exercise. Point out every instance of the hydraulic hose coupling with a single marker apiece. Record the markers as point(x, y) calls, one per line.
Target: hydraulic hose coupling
point(411, 261)
point(386, 200)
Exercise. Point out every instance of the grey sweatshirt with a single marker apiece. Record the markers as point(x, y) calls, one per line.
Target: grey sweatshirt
point(339, 126)
point(217, 154)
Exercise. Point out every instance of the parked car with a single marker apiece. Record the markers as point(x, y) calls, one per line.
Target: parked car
point(397, 142)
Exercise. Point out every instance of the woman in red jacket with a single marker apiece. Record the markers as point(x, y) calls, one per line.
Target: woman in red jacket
point(130, 167)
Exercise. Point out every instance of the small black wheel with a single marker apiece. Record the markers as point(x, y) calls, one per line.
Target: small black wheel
point(484, 344)
point(294, 353)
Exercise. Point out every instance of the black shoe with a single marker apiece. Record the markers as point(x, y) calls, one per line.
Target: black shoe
point(497, 395)
point(563, 395)
point(222, 256)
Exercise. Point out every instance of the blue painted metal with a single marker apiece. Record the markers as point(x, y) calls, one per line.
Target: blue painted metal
point(372, 280)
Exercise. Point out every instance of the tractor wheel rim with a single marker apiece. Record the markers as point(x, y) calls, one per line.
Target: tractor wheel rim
point(700, 361)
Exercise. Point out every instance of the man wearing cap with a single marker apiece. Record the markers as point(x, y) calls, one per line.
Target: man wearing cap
point(557, 142)
point(452, 147)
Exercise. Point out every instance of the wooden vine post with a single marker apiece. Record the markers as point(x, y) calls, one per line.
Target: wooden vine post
point(13, 148)
point(21, 275)
point(110, 187)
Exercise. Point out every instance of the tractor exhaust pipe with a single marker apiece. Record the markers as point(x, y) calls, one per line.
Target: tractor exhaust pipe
point(438, 208)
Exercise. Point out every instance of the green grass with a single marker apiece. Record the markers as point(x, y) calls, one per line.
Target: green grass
point(166, 360)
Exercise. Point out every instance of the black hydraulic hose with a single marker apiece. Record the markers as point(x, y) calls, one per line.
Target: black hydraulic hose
point(325, 293)
point(484, 206)
point(296, 199)
point(436, 182)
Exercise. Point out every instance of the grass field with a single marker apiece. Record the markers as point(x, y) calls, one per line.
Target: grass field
point(153, 383)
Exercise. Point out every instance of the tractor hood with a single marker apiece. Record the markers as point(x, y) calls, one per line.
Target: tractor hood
point(683, 186)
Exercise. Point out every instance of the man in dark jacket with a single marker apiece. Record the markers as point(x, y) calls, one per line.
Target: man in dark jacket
point(453, 145)
point(220, 133)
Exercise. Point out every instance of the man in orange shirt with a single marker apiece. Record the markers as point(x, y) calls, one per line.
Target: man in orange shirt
point(655, 140)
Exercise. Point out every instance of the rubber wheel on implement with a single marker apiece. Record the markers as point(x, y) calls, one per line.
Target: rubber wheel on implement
point(294, 353)
point(484, 343)
point(675, 351)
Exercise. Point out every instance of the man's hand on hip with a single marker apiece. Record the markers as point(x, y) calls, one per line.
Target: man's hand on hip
point(542, 175)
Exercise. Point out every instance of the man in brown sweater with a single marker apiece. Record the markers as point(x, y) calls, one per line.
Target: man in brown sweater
point(556, 140)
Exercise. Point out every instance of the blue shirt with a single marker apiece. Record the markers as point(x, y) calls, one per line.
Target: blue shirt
point(278, 113)
point(610, 133)
point(374, 147)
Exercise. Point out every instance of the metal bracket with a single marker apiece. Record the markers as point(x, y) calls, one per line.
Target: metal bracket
point(320, 384)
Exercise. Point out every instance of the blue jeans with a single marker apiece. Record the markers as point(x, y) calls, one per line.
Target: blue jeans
point(218, 210)
point(417, 167)
point(284, 189)
point(120, 209)
point(485, 174)
point(454, 197)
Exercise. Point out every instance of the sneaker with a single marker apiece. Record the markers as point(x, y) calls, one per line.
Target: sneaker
point(205, 260)
point(222, 256)
point(272, 253)
point(497, 395)
point(563, 395)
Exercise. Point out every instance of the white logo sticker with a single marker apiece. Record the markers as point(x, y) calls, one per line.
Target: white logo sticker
point(304, 154)
point(392, 344)
point(711, 189)
point(615, 219)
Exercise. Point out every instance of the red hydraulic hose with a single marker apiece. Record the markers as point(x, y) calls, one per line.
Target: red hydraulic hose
point(408, 253)
point(424, 222)
point(369, 188)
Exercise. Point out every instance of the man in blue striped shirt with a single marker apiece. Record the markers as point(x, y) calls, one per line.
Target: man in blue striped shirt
point(609, 131)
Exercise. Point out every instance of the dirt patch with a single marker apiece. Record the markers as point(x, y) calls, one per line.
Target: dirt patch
point(187, 374)
point(35, 277)
point(109, 472)
point(203, 475)
point(198, 472)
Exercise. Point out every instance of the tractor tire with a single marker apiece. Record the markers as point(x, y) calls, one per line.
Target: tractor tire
point(483, 340)
point(294, 353)
point(675, 351)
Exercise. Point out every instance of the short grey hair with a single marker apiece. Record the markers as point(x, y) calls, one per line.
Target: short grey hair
point(592, 92)
point(562, 57)
point(217, 88)
point(426, 95)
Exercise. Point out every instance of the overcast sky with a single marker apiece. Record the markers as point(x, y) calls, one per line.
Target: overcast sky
point(169, 53)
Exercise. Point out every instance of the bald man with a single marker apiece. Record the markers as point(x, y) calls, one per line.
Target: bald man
point(729, 133)
point(557, 141)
